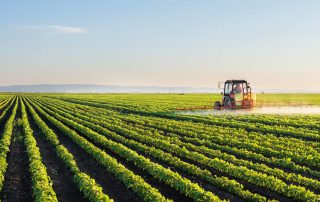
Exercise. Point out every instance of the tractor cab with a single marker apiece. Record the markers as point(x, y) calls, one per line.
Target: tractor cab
point(236, 94)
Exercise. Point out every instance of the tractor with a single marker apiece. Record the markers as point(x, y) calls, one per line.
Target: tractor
point(236, 95)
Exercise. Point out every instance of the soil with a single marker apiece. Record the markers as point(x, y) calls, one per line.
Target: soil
point(5, 118)
point(269, 194)
point(262, 191)
point(110, 184)
point(305, 174)
point(222, 194)
point(5, 106)
point(164, 189)
point(253, 188)
point(17, 182)
point(63, 185)
point(219, 192)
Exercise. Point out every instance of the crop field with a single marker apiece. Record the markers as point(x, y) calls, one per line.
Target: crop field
point(134, 147)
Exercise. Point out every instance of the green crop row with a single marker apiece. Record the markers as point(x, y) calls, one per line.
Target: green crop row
point(42, 185)
point(223, 182)
point(164, 125)
point(6, 140)
point(220, 122)
point(85, 183)
point(169, 177)
point(132, 181)
point(289, 131)
point(250, 175)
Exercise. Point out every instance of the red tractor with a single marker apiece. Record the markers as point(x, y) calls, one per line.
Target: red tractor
point(236, 95)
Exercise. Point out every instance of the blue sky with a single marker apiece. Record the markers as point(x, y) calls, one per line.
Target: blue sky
point(273, 44)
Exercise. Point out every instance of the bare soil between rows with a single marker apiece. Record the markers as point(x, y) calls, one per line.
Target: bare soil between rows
point(17, 182)
point(63, 184)
point(110, 184)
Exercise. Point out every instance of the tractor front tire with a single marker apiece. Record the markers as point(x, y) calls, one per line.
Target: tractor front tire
point(217, 105)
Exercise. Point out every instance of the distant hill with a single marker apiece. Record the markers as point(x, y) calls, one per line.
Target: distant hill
point(83, 88)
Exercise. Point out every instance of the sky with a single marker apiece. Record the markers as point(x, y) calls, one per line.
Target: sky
point(273, 44)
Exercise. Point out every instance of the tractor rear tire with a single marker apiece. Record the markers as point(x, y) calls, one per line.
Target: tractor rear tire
point(227, 103)
point(217, 105)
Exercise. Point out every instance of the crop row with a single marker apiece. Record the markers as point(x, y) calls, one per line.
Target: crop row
point(222, 123)
point(165, 175)
point(132, 181)
point(102, 121)
point(280, 130)
point(85, 183)
point(250, 175)
point(6, 140)
point(42, 185)
point(223, 182)
point(309, 157)
point(311, 124)
point(268, 140)
point(221, 140)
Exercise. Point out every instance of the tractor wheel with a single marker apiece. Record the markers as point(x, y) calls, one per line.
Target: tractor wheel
point(227, 103)
point(217, 105)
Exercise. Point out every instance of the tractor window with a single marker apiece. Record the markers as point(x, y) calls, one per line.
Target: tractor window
point(238, 88)
point(245, 89)
point(228, 88)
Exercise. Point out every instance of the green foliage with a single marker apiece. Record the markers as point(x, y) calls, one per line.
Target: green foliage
point(5, 140)
point(252, 157)
point(88, 186)
point(42, 184)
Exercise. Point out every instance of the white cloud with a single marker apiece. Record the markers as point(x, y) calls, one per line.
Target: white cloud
point(52, 29)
